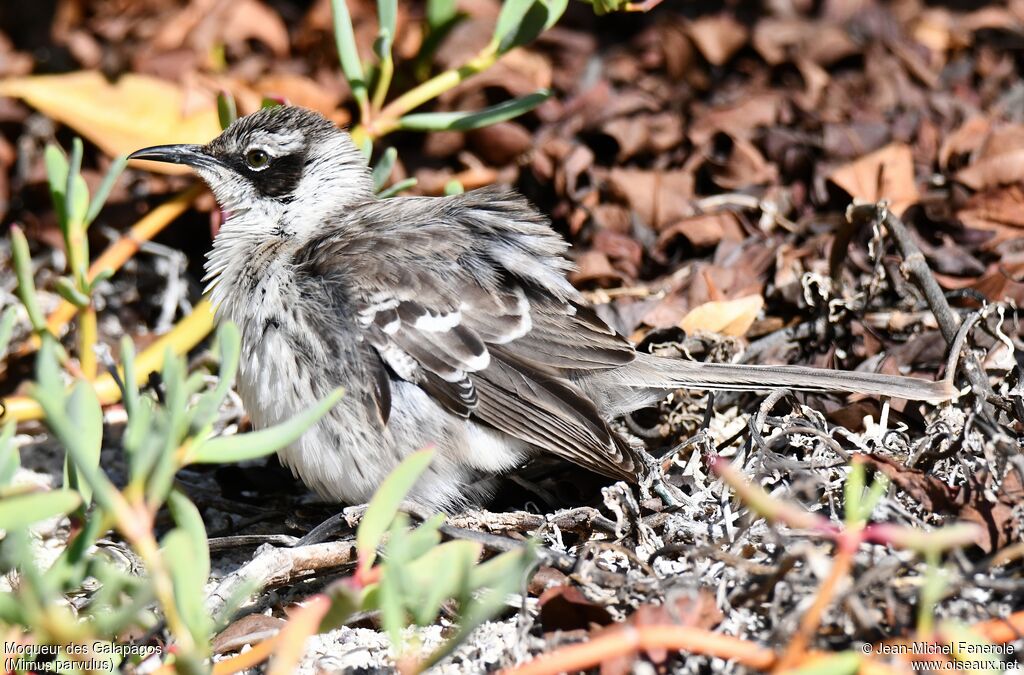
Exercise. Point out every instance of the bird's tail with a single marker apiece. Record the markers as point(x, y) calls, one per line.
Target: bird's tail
point(661, 372)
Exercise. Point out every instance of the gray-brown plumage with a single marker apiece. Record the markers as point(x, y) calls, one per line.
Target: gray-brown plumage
point(448, 320)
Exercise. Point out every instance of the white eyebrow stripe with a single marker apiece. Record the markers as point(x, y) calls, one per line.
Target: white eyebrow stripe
point(279, 143)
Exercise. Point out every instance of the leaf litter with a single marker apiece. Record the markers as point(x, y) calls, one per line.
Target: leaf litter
point(700, 158)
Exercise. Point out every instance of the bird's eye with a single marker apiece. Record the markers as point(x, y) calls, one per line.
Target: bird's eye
point(257, 159)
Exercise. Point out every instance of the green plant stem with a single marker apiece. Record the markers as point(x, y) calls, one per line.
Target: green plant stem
point(387, 71)
point(87, 332)
point(387, 121)
point(136, 524)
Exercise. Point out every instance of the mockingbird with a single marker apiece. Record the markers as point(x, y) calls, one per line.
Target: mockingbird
point(448, 320)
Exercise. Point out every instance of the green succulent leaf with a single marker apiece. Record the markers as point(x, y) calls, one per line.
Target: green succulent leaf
point(86, 417)
point(190, 525)
point(441, 573)
point(843, 663)
point(99, 199)
point(346, 600)
point(20, 511)
point(454, 187)
point(259, 443)
point(440, 13)
point(486, 603)
point(387, 14)
point(76, 420)
point(385, 503)
point(385, 165)
point(425, 537)
point(57, 177)
point(10, 458)
point(229, 342)
point(67, 290)
point(521, 21)
point(344, 38)
point(76, 193)
point(397, 188)
point(227, 111)
point(180, 555)
point(7, 328)
point(464, 121)
point(26, 283)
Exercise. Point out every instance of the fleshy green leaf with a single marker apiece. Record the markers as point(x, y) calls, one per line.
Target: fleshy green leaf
point(259, 443)
point(843, 663)
point(521, 21)
point(510, 563)
point(440, 12)
point(76, 194)
point(384, 505)
point(425, 537)
point(180, 554)
point(103, 192)
point(67, 290)
point(345, 39)
point(229, 342)
point(86, 418)
point(23, 510)
point(345, 601)
point(6, 328)
point(454, 187)
point(464, 121)
point(486, 604)
point(393, 589)
point(26, 283)
point(10, 459)
point(441, 573)
point(968, 647)
point(227, 111)
point(190, 524)
point(400, 186)
point(57, 177)
point(383, 170)
point(387, 14)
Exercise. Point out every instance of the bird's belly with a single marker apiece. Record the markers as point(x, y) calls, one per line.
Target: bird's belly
point(346, 455)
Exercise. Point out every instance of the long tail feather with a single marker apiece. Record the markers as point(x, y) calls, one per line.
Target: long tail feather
point(738, 377)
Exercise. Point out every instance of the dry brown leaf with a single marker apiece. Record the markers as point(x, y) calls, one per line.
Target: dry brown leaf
point(999, 160)
point(299, 90)
point(702, 231)
point(718, 37)
point(594, 269)
point(658, 197)
point(887, 173)
point(134, 112)
point(738, 120)
point(729, 317)
point(251, 19)
point(967, 138)
point(1000, 210)
point(501, 143)
point(745, 166)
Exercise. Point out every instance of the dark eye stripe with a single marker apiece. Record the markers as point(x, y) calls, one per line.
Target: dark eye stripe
point(280, 178)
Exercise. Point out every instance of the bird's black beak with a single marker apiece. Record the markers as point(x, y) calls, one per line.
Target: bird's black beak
point(190, 155)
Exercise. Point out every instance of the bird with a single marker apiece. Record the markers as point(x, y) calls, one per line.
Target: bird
point(449, 321)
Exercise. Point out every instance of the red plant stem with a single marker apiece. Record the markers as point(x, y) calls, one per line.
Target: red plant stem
point(630, 640)
point(811, 620)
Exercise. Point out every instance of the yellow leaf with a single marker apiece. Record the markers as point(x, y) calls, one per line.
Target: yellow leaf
point(132, 113)
point(729, 317)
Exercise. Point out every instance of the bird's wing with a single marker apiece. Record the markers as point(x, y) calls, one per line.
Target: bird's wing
point(466, 297)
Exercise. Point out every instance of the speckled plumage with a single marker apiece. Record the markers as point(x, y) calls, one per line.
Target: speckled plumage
point(448, 320)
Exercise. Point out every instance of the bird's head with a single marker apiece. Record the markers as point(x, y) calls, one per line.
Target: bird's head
point(283, 168)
